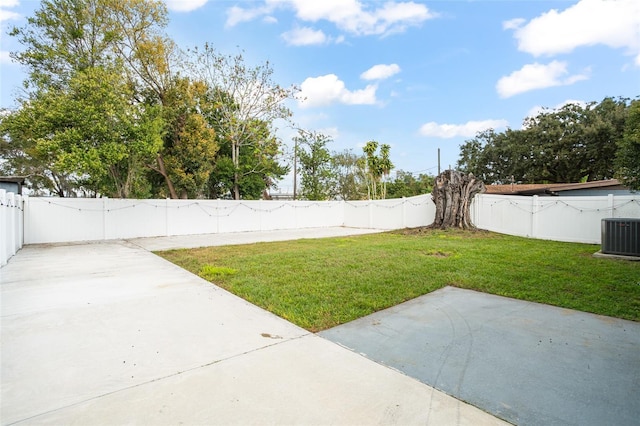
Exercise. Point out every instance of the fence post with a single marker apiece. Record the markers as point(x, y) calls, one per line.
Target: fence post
point(10, 242)
point(4, 228)
point(166, 217)
point(610, 204)
point(217, 210)
point(534, 216)
point(104, 218)
point(20, 240)
point(474, 210)
point(370, 214)
point(404, 212)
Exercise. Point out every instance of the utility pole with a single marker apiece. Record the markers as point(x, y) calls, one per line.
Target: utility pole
point(295, 166)
point(438, 161)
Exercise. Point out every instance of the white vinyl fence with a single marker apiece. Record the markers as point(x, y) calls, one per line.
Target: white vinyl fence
point(49, 220)
point(568, 218)
point(52, 220)
point(11, 225)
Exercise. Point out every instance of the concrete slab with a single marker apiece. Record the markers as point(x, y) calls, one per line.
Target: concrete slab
point(211, 240)
point(527, 363)
point(109, 333)
point(300, 381)
point(602, 255)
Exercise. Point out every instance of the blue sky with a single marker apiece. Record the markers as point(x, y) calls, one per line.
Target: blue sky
point(417, 75)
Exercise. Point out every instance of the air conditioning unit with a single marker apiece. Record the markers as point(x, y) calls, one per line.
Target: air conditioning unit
point(621, 236)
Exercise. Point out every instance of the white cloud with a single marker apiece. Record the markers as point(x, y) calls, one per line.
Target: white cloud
point(537, 76)
point(9, 3)
point(4, 57)
point(185, 5)
point(513, 24)
point(237, 15)
point(352, 16)
point(587, 23)
point(380, 72)
point(304, 36)
point(468, 129)
point(270, 20)
point(6, 15)
point(332, 132)
point(328, 89)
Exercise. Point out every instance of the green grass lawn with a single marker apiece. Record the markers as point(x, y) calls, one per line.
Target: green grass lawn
point(320, 283)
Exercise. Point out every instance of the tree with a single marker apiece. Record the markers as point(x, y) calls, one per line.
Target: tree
point(69, 45)
point(377, 168)
point(318, 179)
point(62, 38)
point(67, 36)
point(350, 179)
point(569, 144)
point(258, 166)
point(452, 195)
point(407, 185)
point(186, 159)
point(88, 133)
point(243, 96)
point(18, 132)
point(605, 130)
point(628, 156)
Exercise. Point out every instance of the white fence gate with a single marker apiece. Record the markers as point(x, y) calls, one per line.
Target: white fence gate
point(11, 225)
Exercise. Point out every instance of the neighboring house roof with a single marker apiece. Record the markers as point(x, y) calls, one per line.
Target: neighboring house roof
point(12, 183)
point(553, 188)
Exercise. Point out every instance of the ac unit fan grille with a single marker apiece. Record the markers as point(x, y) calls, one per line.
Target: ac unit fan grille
point(621, 236)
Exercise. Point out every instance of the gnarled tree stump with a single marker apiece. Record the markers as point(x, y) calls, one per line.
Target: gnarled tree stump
point(452, 195)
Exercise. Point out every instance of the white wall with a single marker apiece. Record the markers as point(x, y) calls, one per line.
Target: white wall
point(390, 214)
point(48, 220)
point(570, 218)
point(11, 225)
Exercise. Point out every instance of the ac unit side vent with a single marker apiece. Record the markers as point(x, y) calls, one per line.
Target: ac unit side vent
point(621, 236)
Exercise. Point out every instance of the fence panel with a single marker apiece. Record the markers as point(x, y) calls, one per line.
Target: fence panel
point(356, 214)
point(569, 218)
point(124, 218)
point(504, 214)
point(390, 214)
point(419, 211)
point(314, 214)
point(51, 220)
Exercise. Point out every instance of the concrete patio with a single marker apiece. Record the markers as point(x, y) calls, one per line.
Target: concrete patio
point(109, 333)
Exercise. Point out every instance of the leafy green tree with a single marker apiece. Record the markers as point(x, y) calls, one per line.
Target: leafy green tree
point(628, 155)
point(88, 133)
point(405, 184)
point(258, 170)
point(248, 102)
point(604, 131)
point(350, 179)
point(89, 130)
point(318, 179)
point(570, 144)
point(18, 132)
point(67, 36)
point(186, 158)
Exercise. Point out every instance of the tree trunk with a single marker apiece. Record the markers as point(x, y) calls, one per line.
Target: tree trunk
point(452, 195)
point(235, 158)
point(163, 171)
